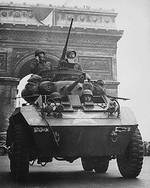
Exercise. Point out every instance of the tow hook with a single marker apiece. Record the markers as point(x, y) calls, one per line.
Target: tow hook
point(114, 134)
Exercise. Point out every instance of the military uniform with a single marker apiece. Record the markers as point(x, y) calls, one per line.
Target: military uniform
point(70, 62)
point(40, 66)
point(41, 71)
point(67, 65)
point(98, 88)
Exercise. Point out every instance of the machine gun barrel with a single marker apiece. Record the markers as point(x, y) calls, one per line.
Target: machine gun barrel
point(122, 98)
point(72, 86)
point(65, 47)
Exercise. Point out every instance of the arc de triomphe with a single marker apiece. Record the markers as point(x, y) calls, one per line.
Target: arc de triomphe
point(24, 28)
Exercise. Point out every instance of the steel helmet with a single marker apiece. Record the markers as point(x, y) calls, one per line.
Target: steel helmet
point(100, 82)
point(55, 96)
point(35, 78)
point(39, 51)
point(71, 54)
point(87, 92)
point(47, 87)
point(87, 85)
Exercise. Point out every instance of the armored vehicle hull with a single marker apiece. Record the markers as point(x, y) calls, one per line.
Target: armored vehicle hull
point(93, 136)
point(82, 133)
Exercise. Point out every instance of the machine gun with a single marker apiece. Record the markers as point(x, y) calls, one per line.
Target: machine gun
point(66, 90)
point(72, 86)
point(122, 98)
point(65, 47)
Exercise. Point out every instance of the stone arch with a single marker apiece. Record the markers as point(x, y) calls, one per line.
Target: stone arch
point(22, 67)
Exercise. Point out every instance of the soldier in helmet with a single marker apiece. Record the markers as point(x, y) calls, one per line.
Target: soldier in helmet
point(41, 71)
point(98, 88)
point(56, 97)
point(70, 61)
point(40, 66)
point(71, 57)
point(87, 96)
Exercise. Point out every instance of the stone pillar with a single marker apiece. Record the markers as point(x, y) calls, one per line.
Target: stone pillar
point(8, 91)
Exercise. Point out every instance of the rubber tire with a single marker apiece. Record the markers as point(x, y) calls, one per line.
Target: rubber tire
point(101, 165)
point(12, 166)
point(130, 163)
point(87, 164)
point(19, 157)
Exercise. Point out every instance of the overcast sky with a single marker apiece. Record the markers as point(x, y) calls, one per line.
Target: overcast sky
point(133, 55)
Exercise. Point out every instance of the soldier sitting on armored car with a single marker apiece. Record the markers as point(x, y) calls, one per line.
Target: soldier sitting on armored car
point(41, 71)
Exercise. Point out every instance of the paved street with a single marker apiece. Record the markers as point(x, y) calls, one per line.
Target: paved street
point(60, 174)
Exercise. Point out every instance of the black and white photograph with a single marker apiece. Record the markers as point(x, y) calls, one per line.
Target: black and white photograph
point(74, 93)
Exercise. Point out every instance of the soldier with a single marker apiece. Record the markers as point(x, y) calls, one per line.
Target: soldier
point(41, 67)
point(70, 61)
point(71, 57)
point(87, 96)
point(98, 88)
point(41, 71)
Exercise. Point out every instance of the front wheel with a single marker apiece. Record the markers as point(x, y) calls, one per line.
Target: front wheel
point(101, 165)
point(19, 154)
point(130, 163)
point(87, 163)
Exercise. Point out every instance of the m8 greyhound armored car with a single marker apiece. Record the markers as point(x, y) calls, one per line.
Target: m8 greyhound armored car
point(68, 116)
